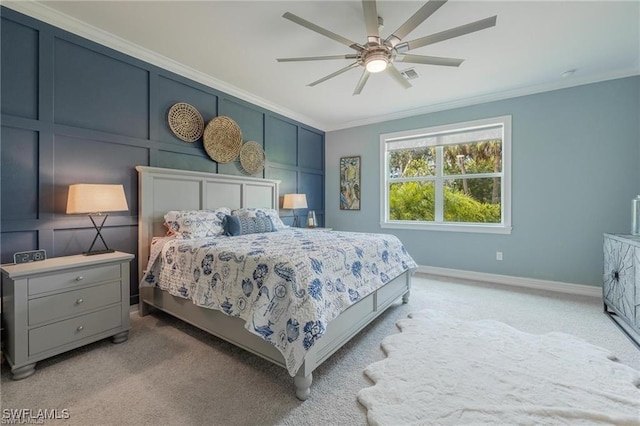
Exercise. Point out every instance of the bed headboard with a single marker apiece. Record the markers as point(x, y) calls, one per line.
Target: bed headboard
point(161, 190)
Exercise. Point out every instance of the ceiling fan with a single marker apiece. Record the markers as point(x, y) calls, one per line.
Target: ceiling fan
point(378, 55)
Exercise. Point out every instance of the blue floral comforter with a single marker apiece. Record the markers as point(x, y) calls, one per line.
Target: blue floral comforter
point(285, 285)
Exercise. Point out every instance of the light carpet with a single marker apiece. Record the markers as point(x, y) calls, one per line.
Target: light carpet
point(441, 370)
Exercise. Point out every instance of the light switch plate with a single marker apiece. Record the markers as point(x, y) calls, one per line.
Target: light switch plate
point(29, 256)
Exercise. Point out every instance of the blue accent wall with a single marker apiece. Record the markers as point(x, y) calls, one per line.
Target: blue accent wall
point(575, 169)
point(74, 111)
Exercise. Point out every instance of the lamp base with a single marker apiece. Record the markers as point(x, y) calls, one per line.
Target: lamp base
point(91, 253)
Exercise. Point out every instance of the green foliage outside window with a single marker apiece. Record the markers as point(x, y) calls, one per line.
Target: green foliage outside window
point(412, 201)
point(416, 201)
point(467, 200)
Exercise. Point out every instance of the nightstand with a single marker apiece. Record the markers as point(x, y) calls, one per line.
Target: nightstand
point(62, 303)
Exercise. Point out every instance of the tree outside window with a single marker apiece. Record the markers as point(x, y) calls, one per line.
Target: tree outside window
point(451, 177)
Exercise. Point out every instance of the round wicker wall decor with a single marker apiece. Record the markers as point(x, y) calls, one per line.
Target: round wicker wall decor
point(252, 157)
point(222, 139)
point(185, 122)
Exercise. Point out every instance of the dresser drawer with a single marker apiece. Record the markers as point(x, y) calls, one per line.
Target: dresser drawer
point(67, 280)
point(61, 333)
point(48, 308)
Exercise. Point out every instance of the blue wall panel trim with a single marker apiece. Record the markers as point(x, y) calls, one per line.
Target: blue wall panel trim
point(313, 185)
point(95, 91)
point(281, 141)
point(83, 112)
point(311, 152)
point(19, 184)
point(287, 176)
point(182, 161)
point(169, 92)
point(13, 242)
point(19, 69)
point(79, 160)
point(250, 120)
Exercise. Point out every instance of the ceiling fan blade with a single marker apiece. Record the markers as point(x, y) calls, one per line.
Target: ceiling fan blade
point(451, 33)
point(363, 80)
point(371, 19)
point(393, 72)
point(419, 17)
point(429, 60)
point(340, 71)
point(318, 58)
point(313, 27)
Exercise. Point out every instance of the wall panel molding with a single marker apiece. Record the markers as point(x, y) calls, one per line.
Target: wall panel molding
point(53, 17)
point(95, 114)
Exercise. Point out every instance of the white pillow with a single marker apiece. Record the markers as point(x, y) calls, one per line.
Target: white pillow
point(196, 223)
point(261, 212)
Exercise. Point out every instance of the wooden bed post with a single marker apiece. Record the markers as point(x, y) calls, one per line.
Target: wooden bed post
point(303, 384)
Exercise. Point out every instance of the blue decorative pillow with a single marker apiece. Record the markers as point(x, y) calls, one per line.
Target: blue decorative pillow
point(261, 212)
point(237, 225)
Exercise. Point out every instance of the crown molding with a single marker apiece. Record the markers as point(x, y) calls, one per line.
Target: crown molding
point(40, 11)
point(44, 13)
point(491, 97)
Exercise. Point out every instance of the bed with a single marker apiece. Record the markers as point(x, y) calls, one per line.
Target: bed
point(292, 308)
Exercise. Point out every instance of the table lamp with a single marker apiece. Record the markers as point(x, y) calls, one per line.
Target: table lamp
point(293, 202)
point(96, 199)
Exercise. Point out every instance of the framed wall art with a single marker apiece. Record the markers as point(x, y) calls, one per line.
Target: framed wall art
point(350, 183)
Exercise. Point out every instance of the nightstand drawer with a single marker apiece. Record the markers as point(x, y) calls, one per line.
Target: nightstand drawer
point(69, 303)
point(61, 281)
point(62, 303)
point(61, 333)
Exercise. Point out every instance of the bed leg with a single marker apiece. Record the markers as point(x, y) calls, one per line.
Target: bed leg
point(405, 297)
point(303, 385)
point(143, 309)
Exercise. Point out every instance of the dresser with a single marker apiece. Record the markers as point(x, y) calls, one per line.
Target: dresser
point(621, 280)
point(59, 304)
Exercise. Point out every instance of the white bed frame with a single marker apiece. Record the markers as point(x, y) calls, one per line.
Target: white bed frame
point(161, 190)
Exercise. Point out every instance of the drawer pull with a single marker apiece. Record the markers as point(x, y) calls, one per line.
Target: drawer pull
point(79, 301)
point(79, 278)
point(80, 328)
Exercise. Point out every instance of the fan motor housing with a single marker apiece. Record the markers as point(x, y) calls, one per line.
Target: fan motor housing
point(377, 53)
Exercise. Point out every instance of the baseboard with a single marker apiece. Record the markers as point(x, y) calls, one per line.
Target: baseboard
point(532, 283)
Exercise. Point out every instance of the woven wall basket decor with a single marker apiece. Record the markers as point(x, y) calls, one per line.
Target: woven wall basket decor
point(185, 122)
point(252, 157)
point(222, 139)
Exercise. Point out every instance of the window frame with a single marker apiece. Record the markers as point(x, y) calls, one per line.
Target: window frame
point(504, 227)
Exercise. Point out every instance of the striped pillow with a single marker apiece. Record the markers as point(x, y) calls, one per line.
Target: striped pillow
point(237, 225)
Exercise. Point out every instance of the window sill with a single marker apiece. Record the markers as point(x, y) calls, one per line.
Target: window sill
point(449, 227)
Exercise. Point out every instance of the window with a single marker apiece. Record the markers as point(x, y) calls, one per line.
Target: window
point(454, 177)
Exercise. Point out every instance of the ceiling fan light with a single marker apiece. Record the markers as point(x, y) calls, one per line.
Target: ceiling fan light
point(376, 58)
point(376, 64)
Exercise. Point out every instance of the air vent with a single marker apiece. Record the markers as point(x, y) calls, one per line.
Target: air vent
point(410, 74)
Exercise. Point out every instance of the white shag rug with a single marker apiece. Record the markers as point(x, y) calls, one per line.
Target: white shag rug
point(443, 371)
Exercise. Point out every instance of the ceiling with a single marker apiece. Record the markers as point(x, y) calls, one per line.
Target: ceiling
point(233, 46)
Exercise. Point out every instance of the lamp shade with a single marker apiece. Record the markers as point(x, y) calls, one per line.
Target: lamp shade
point(96, 198)
point(294, 201)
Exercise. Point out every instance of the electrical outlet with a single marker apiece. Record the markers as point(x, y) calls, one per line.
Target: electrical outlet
point(498, 255)
point(29, 256)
